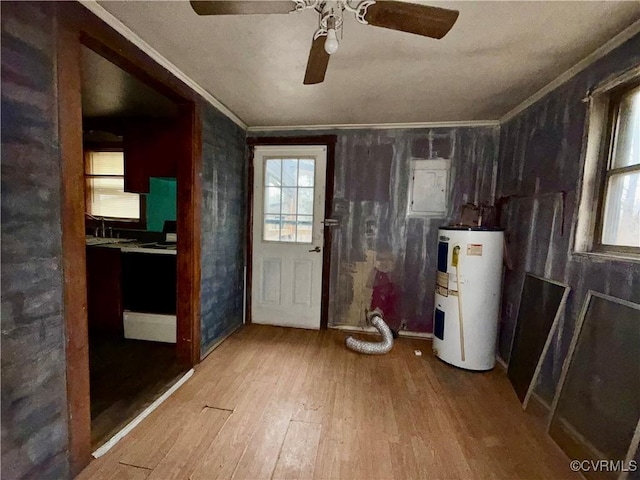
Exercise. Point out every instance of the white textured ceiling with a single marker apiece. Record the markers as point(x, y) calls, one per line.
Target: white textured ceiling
point(496, 56)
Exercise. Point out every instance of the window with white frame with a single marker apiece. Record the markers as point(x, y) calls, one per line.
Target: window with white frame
point(609, 209)
point(105, 195)
point(618, 221)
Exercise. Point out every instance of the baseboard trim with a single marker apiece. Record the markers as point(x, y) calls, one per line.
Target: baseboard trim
point(224, 336)
point(144, 414)
point(539, 409)
point(502, 363)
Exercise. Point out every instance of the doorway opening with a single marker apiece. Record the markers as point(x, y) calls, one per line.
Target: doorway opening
point(289, 245)
point(77, 28)
point(130, 140)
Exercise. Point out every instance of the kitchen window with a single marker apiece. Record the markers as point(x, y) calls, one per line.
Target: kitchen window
point(105, 196)
point(609, 210)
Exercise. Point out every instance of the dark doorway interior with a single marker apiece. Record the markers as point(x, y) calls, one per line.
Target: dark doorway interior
point(130, 139)
point(126, 376)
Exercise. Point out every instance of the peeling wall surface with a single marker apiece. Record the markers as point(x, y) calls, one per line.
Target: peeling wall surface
point(34, 390)
point(370, 200)
point(541, 163)
point(224, 194)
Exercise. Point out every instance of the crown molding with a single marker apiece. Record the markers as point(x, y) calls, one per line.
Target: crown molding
point(126, 32)
point(376, 126)
point(594, 56)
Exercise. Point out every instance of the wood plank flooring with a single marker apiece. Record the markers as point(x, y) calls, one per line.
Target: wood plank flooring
point(293, 404)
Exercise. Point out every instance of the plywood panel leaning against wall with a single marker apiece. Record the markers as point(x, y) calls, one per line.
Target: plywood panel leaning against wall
point(541, 305)
point(596, 410)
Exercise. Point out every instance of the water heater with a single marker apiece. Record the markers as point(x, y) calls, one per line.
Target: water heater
point(467, 303)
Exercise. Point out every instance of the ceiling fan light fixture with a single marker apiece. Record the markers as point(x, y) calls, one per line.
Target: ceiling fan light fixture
point(403, 16)
point(331, 43)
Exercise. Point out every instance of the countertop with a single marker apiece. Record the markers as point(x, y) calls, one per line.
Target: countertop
point(130, 245)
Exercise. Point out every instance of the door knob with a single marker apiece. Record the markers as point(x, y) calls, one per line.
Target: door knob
point(316, 250)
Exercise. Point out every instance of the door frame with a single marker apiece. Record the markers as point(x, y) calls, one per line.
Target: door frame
point(328, 141)
point(77, 27)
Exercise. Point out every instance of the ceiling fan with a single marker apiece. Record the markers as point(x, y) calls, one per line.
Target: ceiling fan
point(407, 17)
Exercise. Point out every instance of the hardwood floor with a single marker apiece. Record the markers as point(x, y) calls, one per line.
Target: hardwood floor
point(285, 403)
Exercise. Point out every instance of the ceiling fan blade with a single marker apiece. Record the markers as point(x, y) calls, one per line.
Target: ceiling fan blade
point(240, 7)
point(412, 18)
point(317, 63)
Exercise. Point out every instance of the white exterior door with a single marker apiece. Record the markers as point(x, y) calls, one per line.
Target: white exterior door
point(288, 235)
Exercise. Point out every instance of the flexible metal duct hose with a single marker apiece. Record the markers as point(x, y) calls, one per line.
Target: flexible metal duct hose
point(373, 348)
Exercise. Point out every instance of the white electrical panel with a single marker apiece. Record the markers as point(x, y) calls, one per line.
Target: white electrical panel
point(429, 188)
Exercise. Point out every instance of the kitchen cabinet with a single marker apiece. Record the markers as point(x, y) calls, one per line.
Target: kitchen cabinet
point(104, 294)
point(151, 149)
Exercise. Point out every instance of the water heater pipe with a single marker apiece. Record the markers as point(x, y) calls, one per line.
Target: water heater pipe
point(455, 261)
point(374, 348)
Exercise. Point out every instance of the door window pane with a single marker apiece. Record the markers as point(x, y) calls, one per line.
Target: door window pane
point(272, 200)
point(306, 172)
point(289, 173)
point(288, 200)
point(273, 172)
point(288, 230)
point(622, 210)
point(305, 201)
point(271, 228)
point(626, 143)
point(304, 229)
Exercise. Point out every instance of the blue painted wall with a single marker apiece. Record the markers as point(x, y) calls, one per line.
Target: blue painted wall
point(544, 145)
point(34, 391)
point(224, 208)
point(370, 199)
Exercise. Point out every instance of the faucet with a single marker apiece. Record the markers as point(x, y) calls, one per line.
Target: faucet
point(102, 230)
